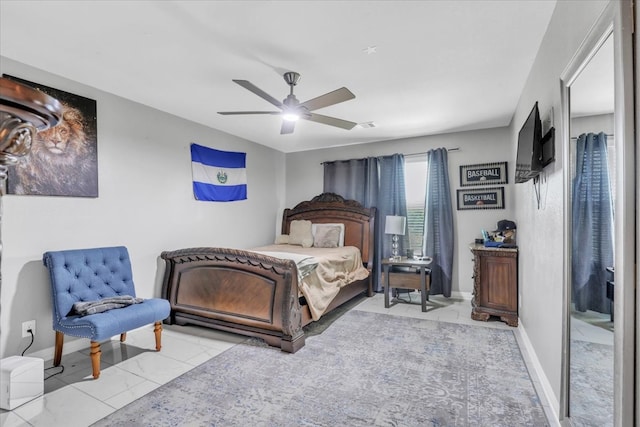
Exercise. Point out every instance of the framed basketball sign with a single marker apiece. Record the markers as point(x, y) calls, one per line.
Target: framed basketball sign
point(481, 198)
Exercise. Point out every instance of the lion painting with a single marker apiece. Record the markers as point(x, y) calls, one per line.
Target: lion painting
point(62, 161)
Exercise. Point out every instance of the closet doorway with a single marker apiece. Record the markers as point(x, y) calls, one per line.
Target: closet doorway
point(593, 172)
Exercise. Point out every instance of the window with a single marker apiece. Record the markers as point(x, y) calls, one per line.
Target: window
point(415, 179)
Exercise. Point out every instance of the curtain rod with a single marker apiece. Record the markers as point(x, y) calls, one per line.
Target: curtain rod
point(426, 152)
point(406, 155)
point(609, 135)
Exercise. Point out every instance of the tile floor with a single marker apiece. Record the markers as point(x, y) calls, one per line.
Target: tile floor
point(130, 371)
point(592, 327)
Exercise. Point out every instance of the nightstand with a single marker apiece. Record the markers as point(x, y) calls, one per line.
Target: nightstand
point(394, 277)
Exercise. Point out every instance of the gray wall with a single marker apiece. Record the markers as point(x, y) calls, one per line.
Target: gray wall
point(540, 230)
point(305, 172)
point(145, 203)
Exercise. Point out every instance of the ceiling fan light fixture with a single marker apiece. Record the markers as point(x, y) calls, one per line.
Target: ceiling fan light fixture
point(290, 116)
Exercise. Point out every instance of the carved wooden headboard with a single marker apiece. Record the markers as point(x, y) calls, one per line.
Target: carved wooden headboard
point(359, 222)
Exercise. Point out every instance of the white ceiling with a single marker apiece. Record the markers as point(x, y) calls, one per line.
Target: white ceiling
point(438, 66)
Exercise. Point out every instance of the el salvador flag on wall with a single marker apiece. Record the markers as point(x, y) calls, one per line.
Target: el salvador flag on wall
point(218, 175)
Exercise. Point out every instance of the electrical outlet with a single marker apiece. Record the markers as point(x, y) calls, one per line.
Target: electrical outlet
point(31, 324)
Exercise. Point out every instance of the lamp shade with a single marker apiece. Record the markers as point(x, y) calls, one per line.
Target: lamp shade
point(395, 225)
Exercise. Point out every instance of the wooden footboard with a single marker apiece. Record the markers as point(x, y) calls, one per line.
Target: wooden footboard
point(237, 291)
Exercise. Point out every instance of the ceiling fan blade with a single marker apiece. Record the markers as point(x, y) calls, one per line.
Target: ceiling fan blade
point(331, 121)
point(262, 94)
point(331, 98)
point(287, 127)
point(228, 113)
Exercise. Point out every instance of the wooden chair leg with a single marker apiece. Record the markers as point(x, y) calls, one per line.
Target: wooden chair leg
point(57, 355)
point(95, 358)
point(157, 329)
point(123, 337)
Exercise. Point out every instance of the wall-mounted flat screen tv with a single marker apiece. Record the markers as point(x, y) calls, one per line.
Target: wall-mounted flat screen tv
point(528, 160)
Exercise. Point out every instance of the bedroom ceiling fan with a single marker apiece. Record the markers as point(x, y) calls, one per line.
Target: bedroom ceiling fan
point(292, 109)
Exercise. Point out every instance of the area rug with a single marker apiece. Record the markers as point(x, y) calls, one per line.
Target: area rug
point(591, 378)
point(365, 369)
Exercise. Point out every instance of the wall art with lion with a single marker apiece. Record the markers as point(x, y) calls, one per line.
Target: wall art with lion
point(64, 159)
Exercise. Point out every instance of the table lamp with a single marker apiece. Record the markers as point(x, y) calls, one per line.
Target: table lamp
point(395, 225)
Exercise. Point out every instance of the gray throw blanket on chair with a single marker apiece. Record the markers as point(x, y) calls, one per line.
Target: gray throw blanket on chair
point(84, 308)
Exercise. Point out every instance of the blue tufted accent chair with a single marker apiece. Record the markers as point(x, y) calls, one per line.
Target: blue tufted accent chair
point(91, 275)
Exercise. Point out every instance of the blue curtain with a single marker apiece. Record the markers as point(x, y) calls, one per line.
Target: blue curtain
point(592, 224)
point(355, 179)
point(438, 222)
point(374, 182)
point(392, 200)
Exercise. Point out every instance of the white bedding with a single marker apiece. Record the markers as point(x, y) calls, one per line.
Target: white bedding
point(335, 268)
point(306, 264)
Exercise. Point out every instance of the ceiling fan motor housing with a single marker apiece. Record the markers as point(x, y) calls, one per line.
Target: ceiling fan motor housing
point(291, 101)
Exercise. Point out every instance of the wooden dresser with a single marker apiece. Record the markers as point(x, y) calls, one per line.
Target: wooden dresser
point(495, 284)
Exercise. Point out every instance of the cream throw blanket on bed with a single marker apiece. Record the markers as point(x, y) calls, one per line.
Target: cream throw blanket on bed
point(336, 267)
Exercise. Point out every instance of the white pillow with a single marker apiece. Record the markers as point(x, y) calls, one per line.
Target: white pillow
point(339, 224)
point(326, 236)
point(300, 233)
point(282, 239)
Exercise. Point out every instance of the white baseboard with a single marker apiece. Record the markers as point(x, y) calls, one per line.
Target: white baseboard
point(542, 380)
point(462, 295)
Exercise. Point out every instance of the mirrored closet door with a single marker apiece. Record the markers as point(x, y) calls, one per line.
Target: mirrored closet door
point(599, 226)
point(593, 167)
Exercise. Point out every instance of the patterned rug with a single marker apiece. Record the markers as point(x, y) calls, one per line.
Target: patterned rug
point(365, 369)
point(591, 400)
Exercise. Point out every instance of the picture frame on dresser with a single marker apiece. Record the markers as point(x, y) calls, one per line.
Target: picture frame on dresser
point(480, 198)
point(484, 174)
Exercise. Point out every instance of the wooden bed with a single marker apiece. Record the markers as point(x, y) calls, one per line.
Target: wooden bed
point(257, 295)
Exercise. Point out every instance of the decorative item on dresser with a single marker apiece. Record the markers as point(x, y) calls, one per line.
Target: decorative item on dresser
point(258, 294)
point(495, 283)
